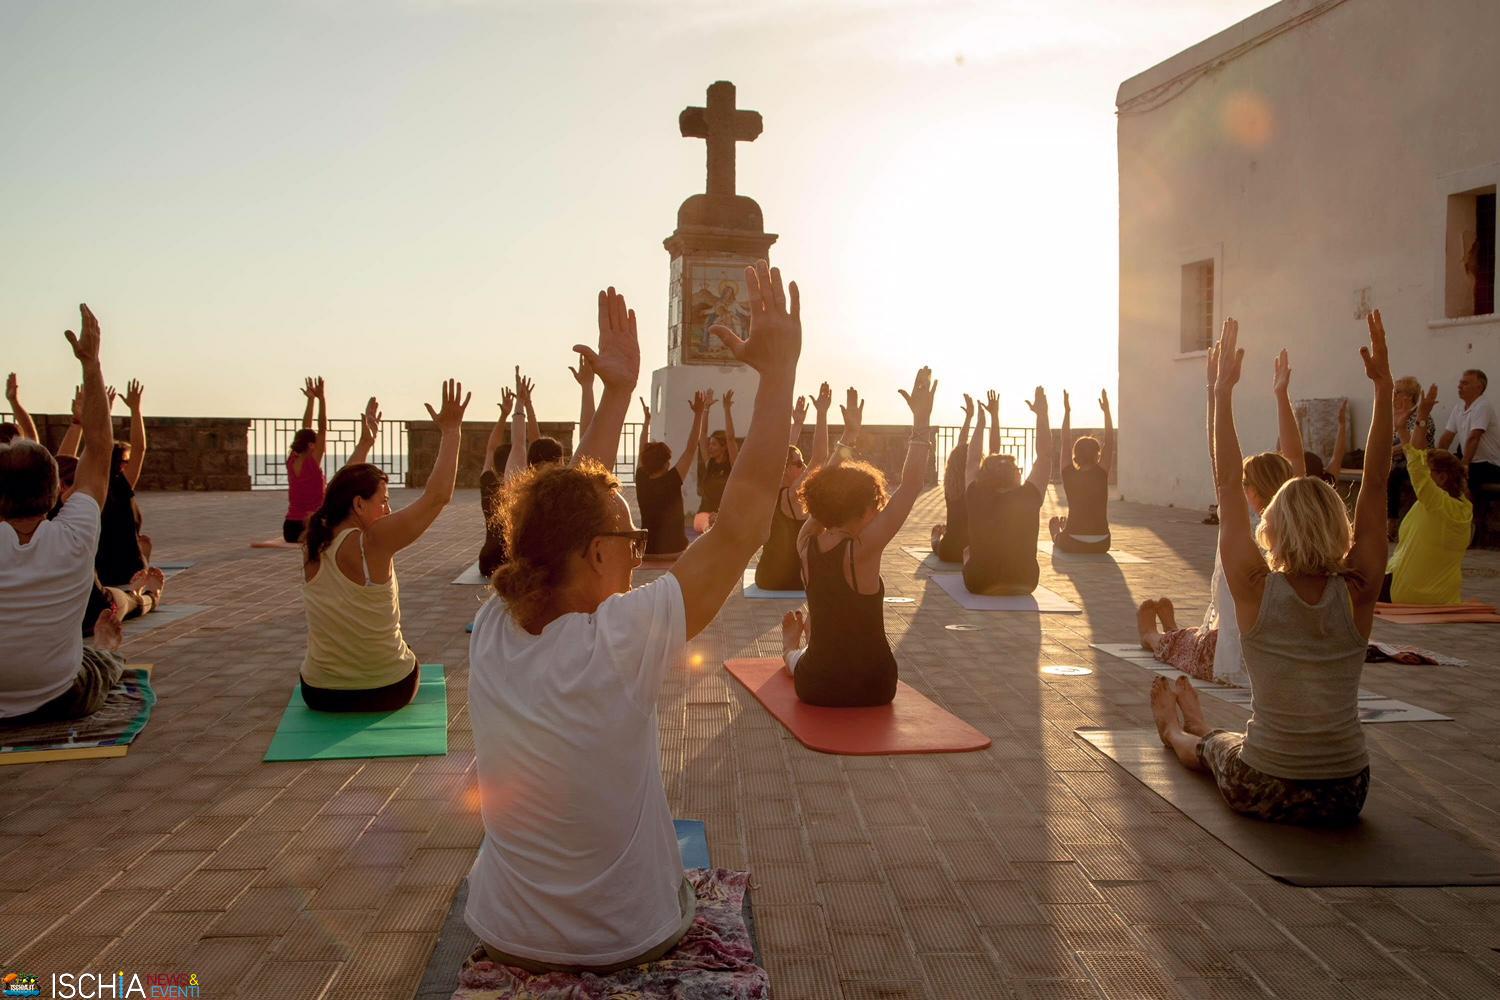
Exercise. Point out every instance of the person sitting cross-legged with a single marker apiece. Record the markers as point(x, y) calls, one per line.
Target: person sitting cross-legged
point(837, 650)
point(1428, 564)
point(780, 563)
point(357, 659)
point(47, 564)
point(579, 869)
point(1310, 601)
point(1003, 512)
point(950, 538)
point(1086, 486)
point(658, 482)
point(717, 452)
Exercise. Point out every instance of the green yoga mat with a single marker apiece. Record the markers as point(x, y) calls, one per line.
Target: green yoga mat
point(420, 729)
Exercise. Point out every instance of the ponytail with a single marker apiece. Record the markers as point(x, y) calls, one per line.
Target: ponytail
point(352, 481)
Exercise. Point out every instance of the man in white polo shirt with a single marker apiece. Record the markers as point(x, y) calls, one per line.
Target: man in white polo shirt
point(1473, 425)
point(47, 566)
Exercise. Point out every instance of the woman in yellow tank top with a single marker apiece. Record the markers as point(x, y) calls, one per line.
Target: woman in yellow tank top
point(357, 659)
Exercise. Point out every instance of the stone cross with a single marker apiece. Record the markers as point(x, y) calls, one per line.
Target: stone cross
point(723, 126)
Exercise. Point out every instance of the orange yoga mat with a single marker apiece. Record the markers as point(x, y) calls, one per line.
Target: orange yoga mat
point(910, 724)
point(275, 543)
point(1436, 614)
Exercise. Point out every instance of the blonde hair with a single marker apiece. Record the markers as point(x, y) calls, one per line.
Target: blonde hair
point(1407, 385)
point(1305, 529)
point(1265, 473)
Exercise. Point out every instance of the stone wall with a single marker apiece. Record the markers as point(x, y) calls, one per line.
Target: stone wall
point(423, 437)
point(182, 453)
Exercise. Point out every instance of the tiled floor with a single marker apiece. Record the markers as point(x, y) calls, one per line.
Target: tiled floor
point(1032, 869)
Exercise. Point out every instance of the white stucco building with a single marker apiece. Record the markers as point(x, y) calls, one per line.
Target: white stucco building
point(1318, 159)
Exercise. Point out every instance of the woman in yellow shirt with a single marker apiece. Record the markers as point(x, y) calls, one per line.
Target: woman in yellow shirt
point(1427, 565)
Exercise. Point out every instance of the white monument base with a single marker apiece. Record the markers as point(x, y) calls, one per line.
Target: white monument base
point(671, 397)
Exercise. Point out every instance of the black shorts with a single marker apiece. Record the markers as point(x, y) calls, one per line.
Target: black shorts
point(381, 699)
point(292, 531)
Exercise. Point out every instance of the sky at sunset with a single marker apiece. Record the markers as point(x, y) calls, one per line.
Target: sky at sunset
point(390, 192)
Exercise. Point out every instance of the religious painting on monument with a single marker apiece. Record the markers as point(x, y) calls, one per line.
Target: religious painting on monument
point(717, 296)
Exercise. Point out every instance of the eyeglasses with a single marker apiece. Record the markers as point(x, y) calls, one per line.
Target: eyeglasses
point(637, 536)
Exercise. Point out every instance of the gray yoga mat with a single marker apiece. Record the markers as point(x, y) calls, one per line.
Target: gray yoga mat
point(1389, 846)
point(167, 614)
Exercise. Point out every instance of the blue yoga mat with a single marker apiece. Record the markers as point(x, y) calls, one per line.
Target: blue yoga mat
point(692, 842)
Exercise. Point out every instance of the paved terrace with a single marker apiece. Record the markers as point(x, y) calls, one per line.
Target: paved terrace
point(1032, 869)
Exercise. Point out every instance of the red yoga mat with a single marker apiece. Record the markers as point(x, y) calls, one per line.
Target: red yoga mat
point(910, 724)
point(275, 543)
point(1436, 614)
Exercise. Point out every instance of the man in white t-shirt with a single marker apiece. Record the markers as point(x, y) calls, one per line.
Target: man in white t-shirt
point(579, 868)
point(47, 566)
point(1473, 426)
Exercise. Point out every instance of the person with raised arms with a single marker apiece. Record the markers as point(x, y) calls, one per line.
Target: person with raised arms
point(123, 550)
point(579, 868)
point(1211, 651)
point(658, 482)
point(305, 478)
point(1004, 512)
point(496, 457)
point(357, 659)
point(1085, 484)
point(950, 538)
point(21, 425)
point(47, 563)
point(780, 563)
point(1308, 588)
point(717, 452)
point(837, 649)
point(1428, 564)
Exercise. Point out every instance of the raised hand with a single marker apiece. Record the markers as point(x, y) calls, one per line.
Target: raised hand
point(728, 399)
point(370, 419)
point(309, 389)
point(1281, 381)
point(133, 392)
point(450, 418)
point(1104, 401)
point(1067, 403)
point(968, 407)
point(1038, 403)
point(12, 389)
point(923, 389)
point(617, 361)
point(77, 404)
point(524, 386)
point(1429, 400)
point(645, 411)
point(86, 344)
point(109, 396)
point(507, 402)
point(709, 399)
point(824, 399)
point(1377, 360)
point(853, 411)
point(584, 373)
point(1343, 413)
point(775, 324)
point(1228, 356)
point(318, 387)
point(992, 403)
point(799, 410)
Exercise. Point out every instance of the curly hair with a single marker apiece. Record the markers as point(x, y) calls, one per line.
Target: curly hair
point(837, 494)
point(548, 513)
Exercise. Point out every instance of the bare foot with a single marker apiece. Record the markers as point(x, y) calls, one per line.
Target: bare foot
point(1164, 708)
point(1192, 708)
point(791, 631)
point(1145, 621)
point(937, 534)
point(107, 632)
point(1167, 614)
point(149, 581)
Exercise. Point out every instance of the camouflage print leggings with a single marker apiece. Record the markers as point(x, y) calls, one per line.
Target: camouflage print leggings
point(1325, 802)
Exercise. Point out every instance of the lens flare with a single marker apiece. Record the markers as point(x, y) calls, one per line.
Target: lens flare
point(1247, 119)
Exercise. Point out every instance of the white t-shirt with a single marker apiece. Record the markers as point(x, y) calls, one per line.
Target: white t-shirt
point(1479, 416)
point(579, 863)
point(1229, 654)
point(44, 589)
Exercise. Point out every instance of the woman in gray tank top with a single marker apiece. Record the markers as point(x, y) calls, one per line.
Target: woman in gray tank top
point(1307, 607)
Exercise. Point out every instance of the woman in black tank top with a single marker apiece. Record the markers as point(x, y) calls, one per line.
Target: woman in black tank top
point(780, 565)
point(658, 483)
point(848, 661)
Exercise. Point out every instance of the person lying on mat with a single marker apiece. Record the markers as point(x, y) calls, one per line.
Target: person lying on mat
point(579, 868)
point(950, 538)
point(717, 452)
point(658, 482)
point(357, 659)
point(22, 424)
point(109, 607)
point(837, 650)
point(1085, 484)
point(1428, 564)
point(47, 564)
point(780, 563)
point(1211, 651)
point(1004, 511)
point(1311, 601)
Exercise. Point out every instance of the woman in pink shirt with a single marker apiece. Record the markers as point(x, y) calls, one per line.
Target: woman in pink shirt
point(304, 466)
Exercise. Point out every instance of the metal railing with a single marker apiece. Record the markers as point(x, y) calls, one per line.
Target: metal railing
point(271, 443)
point(1017, 441)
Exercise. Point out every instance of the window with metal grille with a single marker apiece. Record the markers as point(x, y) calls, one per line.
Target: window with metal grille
point(1197, 306)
